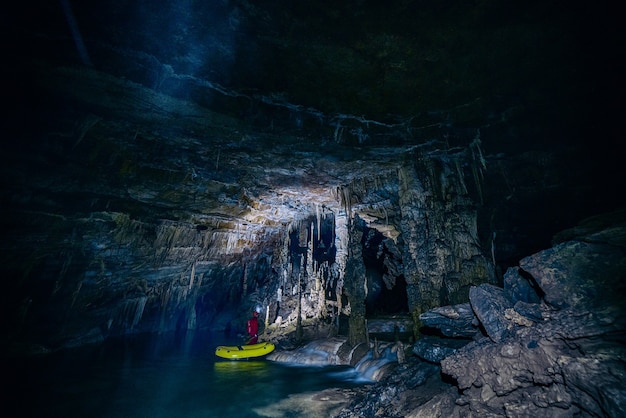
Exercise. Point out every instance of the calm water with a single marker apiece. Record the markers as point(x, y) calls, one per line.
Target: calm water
point(156, 377)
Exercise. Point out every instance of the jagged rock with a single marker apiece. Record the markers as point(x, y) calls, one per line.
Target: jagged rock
point(540, 371)
point(520, 288)
point(489, 304)
point(596, 381)
point(514, 317)
point(504, 367)
point(531, 311)
point(452, 321)
point(410, 386)
point(435, 349)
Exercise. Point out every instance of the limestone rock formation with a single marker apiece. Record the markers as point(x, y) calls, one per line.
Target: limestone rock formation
point(160, 225)
point(434, 349)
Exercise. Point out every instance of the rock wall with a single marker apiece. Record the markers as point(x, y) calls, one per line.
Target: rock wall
point(442, 255)
point(122, 219)
point(111, 273)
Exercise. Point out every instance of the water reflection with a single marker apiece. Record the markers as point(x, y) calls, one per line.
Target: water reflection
point(234, 370)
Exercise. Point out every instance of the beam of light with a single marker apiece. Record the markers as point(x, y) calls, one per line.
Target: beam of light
point(78, 39)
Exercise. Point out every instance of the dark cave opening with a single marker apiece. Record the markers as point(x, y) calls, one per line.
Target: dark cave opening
point(386, 288)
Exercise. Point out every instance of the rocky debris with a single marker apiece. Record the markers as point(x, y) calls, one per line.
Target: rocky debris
point(452, 321)
point(542, 355)
point(531, 311)
point(407, 389)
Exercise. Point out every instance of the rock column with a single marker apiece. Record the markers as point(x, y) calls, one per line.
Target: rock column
point(355, 284)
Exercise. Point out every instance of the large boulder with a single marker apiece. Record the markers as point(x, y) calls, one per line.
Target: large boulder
point(520, 287)
point(586, 275)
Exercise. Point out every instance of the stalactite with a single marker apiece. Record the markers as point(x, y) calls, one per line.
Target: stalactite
point(299, 330)
point(460, 175)
point(477, 181)
point(478, 164)
point(318, 217)
point(193, 274)
point(332, 237)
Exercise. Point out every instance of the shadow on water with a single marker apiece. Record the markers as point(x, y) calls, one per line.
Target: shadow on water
point(155, 376)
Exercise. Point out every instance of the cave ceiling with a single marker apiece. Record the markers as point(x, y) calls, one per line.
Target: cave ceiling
point(259, 112)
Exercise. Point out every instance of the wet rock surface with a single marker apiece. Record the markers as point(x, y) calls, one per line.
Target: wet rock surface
point(409, 388)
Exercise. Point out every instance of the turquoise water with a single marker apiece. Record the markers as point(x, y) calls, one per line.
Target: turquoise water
point(157, 377)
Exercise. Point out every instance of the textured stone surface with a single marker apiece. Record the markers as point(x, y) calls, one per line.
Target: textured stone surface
point(569, 363)
point(434, 349)
point(520, 288)
point(452, 321)
point(582, 275)
point(489, 305)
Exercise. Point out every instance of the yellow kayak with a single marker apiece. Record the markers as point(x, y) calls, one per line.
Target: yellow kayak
point(244, 351)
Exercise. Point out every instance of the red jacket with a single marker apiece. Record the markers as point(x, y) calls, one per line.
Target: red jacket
point(253, 327)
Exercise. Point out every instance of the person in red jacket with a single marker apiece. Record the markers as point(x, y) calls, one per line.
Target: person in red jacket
point(253, 328)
